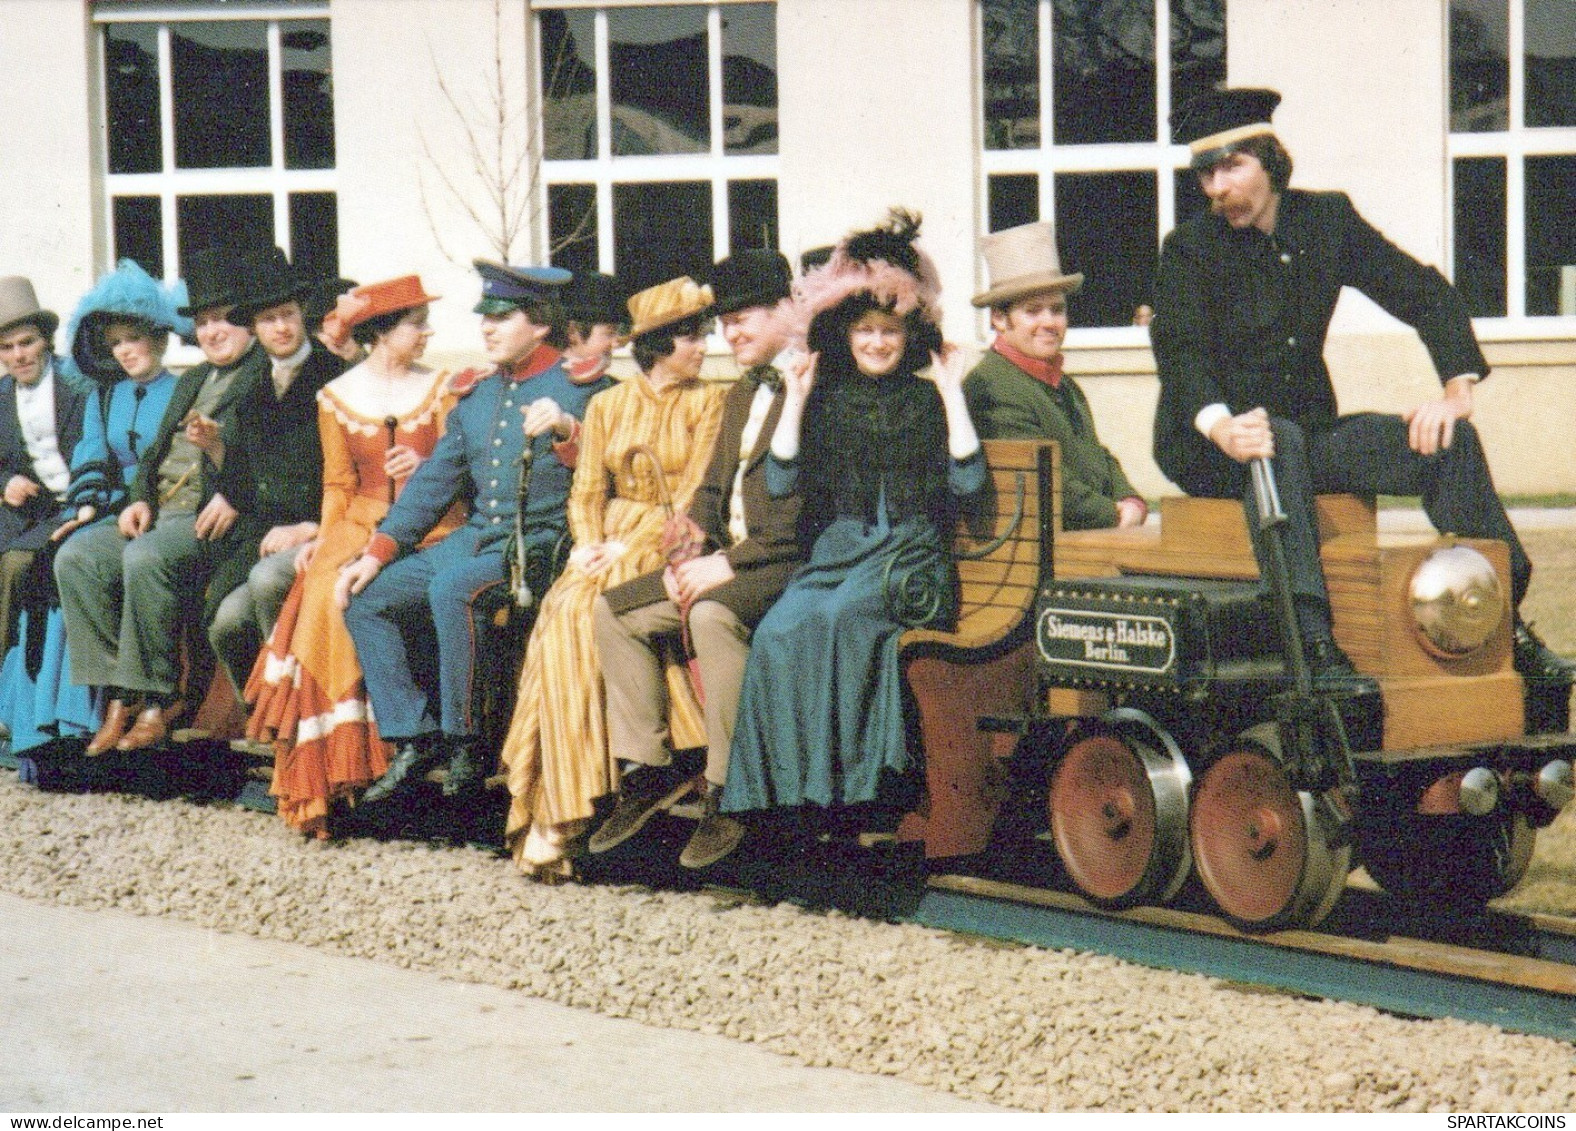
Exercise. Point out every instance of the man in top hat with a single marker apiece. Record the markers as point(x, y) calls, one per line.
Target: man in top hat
point(123, 587)
point(1018, 390)
point(595, 319)
point(40, 424)
point(1243, 302)
point(273, 473)
point(398, 602)
point(718, 597)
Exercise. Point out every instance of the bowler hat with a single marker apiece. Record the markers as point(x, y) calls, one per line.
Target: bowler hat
point(19, 303)
point(267, 280)
point(505, 287)
point(213, 278)
point(756, 277)
point(1023, 261)
point(592, 297)
point(1217, 122)
point(667, 303)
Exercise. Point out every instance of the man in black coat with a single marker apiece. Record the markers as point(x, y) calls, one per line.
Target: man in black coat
point(273, 470)
point(1243, 303)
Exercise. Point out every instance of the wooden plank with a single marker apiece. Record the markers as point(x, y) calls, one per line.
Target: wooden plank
point(989, 572)
point(1439, 710)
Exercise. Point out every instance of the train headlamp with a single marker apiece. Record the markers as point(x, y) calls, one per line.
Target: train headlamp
point(1457, 601)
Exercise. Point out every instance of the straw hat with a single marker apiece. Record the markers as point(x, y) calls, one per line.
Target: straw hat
point(1023, 261)
point(19, 303)
point(667, 303)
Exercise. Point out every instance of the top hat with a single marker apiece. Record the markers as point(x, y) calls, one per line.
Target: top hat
point(213, 278)
point(362, 303)
point(1218, 121)
point(1023, 261)
point(505, 287)
point(266, 280)
point(815, 257)
point(19, 303)
point(667, 303)
point(757, 277)
point(592, 297)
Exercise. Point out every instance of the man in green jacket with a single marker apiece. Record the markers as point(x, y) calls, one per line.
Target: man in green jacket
point(1018, 391)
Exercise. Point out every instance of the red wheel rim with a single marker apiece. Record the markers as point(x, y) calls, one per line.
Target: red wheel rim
point(1103, 817)
point(1250, 844)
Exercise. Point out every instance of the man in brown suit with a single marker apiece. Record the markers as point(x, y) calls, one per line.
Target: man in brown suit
point(718, 597)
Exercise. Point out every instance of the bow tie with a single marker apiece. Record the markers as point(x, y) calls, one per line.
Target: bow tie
point(767, 375)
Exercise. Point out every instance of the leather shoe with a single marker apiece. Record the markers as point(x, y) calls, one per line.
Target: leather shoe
point(1333, 672)
point(413, 756)
point(714, 837)
point(644, 792)
point(117, 720)
point(151, 728)
point(1534, 659)
point(467, 768)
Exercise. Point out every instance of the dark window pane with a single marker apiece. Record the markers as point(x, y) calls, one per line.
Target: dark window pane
point(1014, 200)
point(131, 94)
point(571, 226)
point(1010, 43)
point(568, 84)
point(1551, 63)
point(220, 77)
point(1480, 234)
point(1188, 198)
point(1106, 226)
point(314, 234)
point(1551, 236)
point(659, 87)
point(308, 94)
point(661, 231)
point(139, 232)
point(1198, 48)
point(752, 215)
point(749, 78)
point(222, 221)
point(1104, 71)
point(1479, 66)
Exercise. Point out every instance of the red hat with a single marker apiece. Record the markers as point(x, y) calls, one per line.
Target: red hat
point(362, 303)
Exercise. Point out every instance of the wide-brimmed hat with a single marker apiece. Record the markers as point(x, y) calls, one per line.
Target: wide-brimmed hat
point(592, 297)
point(756, 277)
point(1023, 261)
point(267, 279)
point(128, 292)
point(385, 297)
point(667, 303)
point(213, 278)
point(1217, 122)
point(884, 262)
point(19, 303)
point(505, 287)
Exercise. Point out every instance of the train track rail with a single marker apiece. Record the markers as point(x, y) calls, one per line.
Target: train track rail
point(1517, 972)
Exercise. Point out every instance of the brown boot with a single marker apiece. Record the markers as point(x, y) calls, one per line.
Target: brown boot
point(117, 719)
point(714, 837)
point(151, 728)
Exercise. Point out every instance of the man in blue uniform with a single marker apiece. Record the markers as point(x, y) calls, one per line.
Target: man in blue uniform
point(401, 604)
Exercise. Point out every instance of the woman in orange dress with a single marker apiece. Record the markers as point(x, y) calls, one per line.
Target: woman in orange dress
point(378, 421)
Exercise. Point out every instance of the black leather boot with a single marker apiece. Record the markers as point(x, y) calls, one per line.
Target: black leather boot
point(467, 766)
point(411, 758)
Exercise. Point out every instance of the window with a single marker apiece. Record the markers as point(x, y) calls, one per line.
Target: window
point(220, 131)
point(1513, 158)
point(659, 135)
point(1076, 99)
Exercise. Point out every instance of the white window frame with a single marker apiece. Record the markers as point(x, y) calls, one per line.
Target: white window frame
point(1159, 157)
point(716, 167)
point(272, 180)
point(1514, 144)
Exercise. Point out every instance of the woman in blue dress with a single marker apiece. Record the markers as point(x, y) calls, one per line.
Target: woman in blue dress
point(882, 458)
point(118, 334)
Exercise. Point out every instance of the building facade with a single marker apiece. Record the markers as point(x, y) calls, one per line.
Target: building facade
point(375, 137)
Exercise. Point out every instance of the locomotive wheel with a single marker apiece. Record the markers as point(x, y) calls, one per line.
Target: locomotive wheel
point(1269, 855)
point(1449, 859)
point(1118, 810)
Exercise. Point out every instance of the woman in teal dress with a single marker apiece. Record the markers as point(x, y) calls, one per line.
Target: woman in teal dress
point(882, 458)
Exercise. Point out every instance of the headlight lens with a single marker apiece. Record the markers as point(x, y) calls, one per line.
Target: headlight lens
point(1457, 601)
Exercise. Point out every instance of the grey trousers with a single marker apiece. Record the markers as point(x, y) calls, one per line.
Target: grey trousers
point(637, 695)
point(124, 601)
point(245, 618)
point(13, 564)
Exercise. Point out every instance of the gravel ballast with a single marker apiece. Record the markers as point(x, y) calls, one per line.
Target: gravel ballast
point(1009, 1025)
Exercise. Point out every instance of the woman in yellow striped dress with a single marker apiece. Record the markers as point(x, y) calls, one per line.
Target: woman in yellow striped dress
point(556, 751)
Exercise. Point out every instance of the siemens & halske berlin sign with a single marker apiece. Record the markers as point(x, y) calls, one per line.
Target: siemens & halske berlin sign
point(1109, 641)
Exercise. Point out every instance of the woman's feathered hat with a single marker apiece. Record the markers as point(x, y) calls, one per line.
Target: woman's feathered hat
point(884, 262)
point(126, 292)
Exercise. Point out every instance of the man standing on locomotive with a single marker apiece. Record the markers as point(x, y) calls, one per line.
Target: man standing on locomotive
point(717, 597)
point(528, 399)
point(1018, 391)
point(1243, 303)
